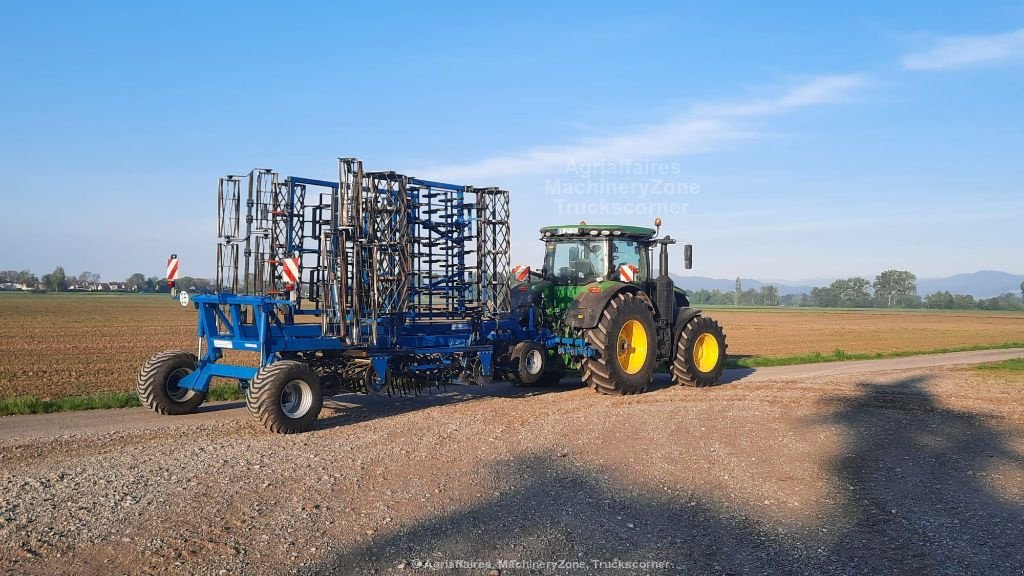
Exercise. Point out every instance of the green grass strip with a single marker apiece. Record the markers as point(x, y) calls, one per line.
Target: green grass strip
point(33, 405)
point(839, 355)
point(1012, 365)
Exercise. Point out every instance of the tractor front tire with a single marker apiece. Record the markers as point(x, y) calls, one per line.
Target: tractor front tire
point(700, 353)
point(285, 397)
point(158, 383)
point(625, 339)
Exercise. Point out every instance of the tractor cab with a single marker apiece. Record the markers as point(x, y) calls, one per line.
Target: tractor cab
point(600, 307)
point(583, 254)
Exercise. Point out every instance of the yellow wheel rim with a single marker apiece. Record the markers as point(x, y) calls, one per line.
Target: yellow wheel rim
point(631, 346)
point(706, 352)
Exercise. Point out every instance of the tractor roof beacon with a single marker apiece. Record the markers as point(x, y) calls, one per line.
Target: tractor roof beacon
point(406, 283)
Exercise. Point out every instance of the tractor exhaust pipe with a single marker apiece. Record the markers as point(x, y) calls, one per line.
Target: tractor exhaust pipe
point(664, 287)
point(663, 260)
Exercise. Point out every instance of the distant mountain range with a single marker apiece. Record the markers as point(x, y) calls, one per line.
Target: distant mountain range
point(705, 283)
point(981, 284)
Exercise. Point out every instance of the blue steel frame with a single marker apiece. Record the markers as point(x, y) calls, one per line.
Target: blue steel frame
point(258, 324)
point(255, 324)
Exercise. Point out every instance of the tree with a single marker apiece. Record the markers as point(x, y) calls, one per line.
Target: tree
point(88, 278)
point(941, 300)
point(136, 282)
point(964, 302)
point(1022, 290)
point(852, 292)
point(193, 284)
point(56, 280)
point(895, 287)
point(27, 278)
point(769, 295)
point(824, 296)
point(750, 297)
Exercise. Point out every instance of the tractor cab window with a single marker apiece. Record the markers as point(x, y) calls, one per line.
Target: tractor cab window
point(631, 253)
point(576, 261)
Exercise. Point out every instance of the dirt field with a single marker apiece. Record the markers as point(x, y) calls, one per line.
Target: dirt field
point(906, 472)
point(65, 345)
point(788, 331)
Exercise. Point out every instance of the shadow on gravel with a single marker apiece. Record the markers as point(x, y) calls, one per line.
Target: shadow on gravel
point(736, 374)
point(561, 512)
point(219, 406)
point(917, 501)
point(348, 409)
point(920, 488)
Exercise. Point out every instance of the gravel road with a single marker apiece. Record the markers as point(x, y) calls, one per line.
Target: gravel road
point(849, 468)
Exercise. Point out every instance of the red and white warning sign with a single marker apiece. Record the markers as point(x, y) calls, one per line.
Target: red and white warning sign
point(292, 270)
point(521, 272)
point(628, 272)
point(172, 268)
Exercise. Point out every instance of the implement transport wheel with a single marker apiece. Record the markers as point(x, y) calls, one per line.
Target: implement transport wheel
point(158, 383)
point(530, 359)
point(700, 353)
point(626, 342)
point(285, 397)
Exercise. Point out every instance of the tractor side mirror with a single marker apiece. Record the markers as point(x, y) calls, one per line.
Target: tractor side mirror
point(688, 255)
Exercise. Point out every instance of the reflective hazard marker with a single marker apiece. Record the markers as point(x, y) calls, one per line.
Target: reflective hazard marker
point(628, 272)
point(172, 270)
point(521, 272)
point(292, 268)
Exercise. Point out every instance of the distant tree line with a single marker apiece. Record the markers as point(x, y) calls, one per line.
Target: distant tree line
point(891, 289)
point(766, 296)
point(59, 281)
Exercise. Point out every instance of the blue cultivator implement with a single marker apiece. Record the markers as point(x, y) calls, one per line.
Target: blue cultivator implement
point(377, 283)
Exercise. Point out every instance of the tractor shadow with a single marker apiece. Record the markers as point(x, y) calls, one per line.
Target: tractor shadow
point(352, 408)
point(911, 495)
point(663, 379)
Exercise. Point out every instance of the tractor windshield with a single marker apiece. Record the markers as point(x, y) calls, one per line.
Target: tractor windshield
point(576, 260)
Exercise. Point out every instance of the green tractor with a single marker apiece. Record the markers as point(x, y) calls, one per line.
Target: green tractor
point(598, 308)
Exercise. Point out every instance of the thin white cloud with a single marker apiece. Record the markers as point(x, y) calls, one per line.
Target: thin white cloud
point(703, 128)
point(963, 51)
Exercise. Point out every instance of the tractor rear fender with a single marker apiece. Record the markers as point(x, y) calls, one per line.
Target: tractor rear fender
point(585, 310)
point(683, 315)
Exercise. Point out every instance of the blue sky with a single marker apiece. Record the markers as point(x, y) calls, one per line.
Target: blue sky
point(784, 141)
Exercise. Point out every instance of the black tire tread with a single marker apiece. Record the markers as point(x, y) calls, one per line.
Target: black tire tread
point(151, 382)
point(596, 372)
point(520, 350)
point(262, 400)
point(683, 371)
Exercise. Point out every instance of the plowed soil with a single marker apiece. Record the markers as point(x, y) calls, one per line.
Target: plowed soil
point(68, 344)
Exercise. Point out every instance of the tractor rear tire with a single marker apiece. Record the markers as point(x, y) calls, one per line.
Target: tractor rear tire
point(158, 383)
point(700, 353)
point(285, 397)
point(626, 342)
